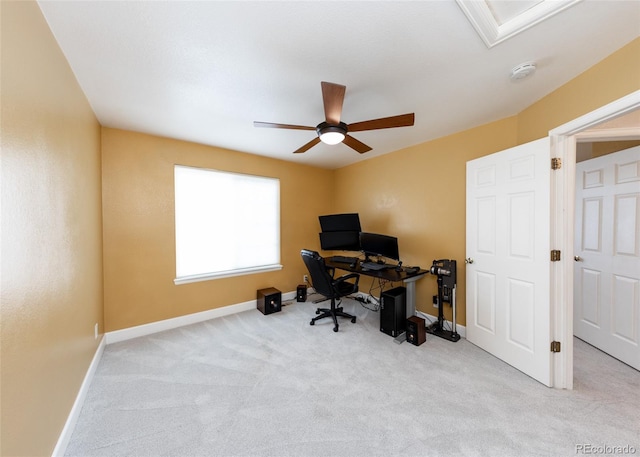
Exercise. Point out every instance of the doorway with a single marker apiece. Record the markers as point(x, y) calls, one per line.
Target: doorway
point(600, 125)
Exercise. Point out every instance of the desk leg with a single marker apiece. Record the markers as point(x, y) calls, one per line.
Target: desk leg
point(411, 294)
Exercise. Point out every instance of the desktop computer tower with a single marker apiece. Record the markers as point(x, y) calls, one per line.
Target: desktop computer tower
point(393, 311)
point(269, 300)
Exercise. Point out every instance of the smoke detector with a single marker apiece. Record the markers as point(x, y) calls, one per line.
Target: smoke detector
point(523, 70)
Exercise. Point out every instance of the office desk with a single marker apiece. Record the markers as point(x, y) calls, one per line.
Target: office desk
point(409, 279)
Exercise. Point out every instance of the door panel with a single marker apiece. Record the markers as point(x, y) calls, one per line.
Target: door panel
point(607, 245)
point(520, 314)
point(485, 305)
point(508, 232)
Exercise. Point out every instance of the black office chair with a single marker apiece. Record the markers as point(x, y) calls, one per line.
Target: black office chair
point(324, 284)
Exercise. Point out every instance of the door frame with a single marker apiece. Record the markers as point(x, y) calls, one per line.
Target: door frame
point(563, 146)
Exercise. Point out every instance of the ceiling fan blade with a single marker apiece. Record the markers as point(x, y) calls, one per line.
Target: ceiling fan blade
point(403, 120)
point(282, 126)
point(307, 146)
point(356, 144)
point(333, 97)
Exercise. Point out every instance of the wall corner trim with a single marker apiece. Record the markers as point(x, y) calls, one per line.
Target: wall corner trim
point(72, 419)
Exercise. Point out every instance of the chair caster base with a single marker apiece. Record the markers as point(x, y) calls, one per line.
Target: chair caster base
point(334, 314)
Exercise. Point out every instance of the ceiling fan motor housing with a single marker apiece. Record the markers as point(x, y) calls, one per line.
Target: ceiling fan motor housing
point(325, 127)
point(337, 131)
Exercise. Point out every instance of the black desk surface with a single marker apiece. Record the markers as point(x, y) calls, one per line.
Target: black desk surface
point(389, 274)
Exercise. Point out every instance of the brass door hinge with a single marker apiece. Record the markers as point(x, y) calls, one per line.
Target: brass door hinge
point(556, 163)
point(555, 255)
point(555, 346)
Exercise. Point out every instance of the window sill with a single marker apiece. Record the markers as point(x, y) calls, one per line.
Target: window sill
point(225, 274)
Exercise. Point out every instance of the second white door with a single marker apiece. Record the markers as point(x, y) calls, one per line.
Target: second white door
point(607, 249)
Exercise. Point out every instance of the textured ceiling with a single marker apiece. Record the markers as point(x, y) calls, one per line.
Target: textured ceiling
point(204, 71)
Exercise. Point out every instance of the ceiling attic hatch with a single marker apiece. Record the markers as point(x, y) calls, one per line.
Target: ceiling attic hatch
point(499, 20)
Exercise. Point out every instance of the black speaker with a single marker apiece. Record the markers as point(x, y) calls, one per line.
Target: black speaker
point(301, 293)
point(269, 300)
point(416, 330)
point(393, 311)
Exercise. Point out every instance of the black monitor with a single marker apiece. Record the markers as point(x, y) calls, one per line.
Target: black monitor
point(376, 245)
point(340, 241)
point(340, 232)
point(348, 222)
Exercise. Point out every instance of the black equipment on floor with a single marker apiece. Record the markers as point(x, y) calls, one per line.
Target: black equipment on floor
point(301, 293)
point(269, 300)
point(393, 311)
point(333, 288)
point(445, 269)
point(416, 330)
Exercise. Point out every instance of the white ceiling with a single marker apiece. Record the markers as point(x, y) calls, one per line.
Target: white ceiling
point(203, 71)
point(506, 10)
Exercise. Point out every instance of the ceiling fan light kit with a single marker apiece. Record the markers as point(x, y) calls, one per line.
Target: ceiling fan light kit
point(333, 130)
point(331, 134)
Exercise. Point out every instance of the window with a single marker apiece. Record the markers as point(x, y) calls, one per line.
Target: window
point(227, 224)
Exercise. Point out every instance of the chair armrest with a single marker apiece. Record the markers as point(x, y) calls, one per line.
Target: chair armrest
point(343, 278)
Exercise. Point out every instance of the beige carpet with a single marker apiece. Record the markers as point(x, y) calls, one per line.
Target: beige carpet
point(255, 385)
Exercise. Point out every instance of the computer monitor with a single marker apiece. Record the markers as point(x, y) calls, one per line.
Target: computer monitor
point(340, 232)
point(376, 245)
point(348, 222)
point(340, 241)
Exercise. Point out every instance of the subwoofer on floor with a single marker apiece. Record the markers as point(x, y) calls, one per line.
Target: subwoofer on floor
point(301, 293)
point(393, 311)
point(416, 330)
point(269, 300)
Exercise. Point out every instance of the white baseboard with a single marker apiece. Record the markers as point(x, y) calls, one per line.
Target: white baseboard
point(181, 321)
point(460, 329)
point(72, 419)
point(160, 326)
point(134, 332)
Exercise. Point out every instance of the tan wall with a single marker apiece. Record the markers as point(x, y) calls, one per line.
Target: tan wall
point(419, 192)
point(51, 234)
point(52, 288)
point(418, 195)
point(613, 78)
point(139, 243)
point(607, 147)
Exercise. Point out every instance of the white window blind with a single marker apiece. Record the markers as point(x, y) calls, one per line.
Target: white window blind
point(227, 224)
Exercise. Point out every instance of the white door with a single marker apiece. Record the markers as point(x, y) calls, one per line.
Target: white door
point(508, 255)
point(606, 310)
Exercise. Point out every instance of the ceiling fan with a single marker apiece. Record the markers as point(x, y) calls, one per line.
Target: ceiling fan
point(333, 130)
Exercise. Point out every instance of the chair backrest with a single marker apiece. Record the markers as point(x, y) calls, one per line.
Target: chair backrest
point(320, 277)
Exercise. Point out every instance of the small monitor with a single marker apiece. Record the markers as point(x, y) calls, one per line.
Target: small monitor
point(376, 245)
point(349, 222)
point(340, 241)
